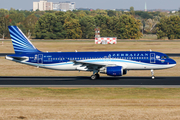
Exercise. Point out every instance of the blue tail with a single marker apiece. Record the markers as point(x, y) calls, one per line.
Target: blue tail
point(20, 42)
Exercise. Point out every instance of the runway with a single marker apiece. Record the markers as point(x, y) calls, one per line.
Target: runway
point(169, 54)
point(173, 54)
point(159, 82)
point(4, 54)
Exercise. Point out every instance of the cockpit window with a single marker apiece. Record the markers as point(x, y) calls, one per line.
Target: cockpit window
point(164, 57)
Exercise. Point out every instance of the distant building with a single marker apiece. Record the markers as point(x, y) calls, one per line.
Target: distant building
point(64, 6)
point(145, 7)
point(56, 6)
point(173, 11)
point(42, 5)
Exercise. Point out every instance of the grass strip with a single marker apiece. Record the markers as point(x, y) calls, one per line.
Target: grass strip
point(91, 93)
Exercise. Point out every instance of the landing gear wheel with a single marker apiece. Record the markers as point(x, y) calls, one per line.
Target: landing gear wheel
point(152, 73)
point(97, 75)
point(93, 77)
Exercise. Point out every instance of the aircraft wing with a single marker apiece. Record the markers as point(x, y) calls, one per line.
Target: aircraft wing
point(89, 65)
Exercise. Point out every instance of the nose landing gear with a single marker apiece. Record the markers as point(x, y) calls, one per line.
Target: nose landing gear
point(152, 73)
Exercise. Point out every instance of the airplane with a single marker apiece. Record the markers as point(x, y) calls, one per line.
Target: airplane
point(114, 63)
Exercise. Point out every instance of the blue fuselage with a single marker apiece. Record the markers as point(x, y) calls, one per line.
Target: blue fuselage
point(130, 59)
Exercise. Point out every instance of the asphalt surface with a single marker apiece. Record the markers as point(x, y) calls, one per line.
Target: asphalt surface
point(87, 82)
point(169, 54)
point(173, 54)
point(4, 54)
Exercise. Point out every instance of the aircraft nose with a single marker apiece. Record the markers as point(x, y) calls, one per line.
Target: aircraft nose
point(171, 61)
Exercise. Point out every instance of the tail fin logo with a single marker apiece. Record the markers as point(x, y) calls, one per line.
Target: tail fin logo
point(20, 42)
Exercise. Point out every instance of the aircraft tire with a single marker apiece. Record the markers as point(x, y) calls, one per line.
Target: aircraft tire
point(93, 77)
point(97, 75)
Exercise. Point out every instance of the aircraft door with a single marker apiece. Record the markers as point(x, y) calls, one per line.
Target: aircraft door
point(40, 59)
point(60, 59)
point(152, 58)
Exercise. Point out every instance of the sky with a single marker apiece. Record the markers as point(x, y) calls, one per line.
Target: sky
point(98, 4)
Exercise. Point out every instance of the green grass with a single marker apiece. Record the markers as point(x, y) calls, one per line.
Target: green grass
point(91, 93)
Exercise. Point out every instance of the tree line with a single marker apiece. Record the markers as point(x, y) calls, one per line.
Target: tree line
point(80, 24)
point(70, 26)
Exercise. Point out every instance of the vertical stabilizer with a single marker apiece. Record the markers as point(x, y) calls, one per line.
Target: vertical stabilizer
point(20, 42)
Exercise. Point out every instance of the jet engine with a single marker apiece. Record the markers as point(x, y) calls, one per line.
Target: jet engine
point(113, 71)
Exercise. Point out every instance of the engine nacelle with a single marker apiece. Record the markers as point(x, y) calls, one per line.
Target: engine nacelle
point(113, 71)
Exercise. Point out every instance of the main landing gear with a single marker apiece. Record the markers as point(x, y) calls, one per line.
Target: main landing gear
point(152, 73)
point(95, 76)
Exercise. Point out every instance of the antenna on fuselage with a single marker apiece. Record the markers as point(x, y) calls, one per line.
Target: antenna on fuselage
point(75, 50)
point(150, 50)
